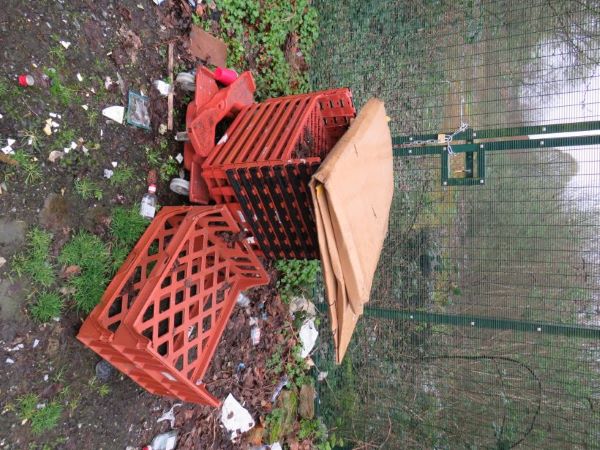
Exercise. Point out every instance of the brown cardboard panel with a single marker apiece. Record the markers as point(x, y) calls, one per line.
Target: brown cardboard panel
point(352, 193)
point(207, 48)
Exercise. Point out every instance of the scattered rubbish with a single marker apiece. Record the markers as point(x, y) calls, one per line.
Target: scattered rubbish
point(243, 300)
point(46, 377)
point(207, 47)
point(16, 348)
point(148, 204)
point(241, 366)
point(55, 155)
point(115, 113)
point(225, 76)
point(140, 6)
point(169, 415)
point(162, 128)
point(179, 158)
point(137, 110)
point(158, 2)
point(108, 82)
point(235, 418)
point(36, 342)
point(114, 164)
point(163, 441)
point(26, 80)
point(85, 107)
point(104, 371)
point(321, 376)
point(163, 88)
point(282, 383)
point(7, 149)
point(54, 115)
point(65, 44)
point(108, 173)
point(275, 446)
point(170, 97)
point(186, 81)
point(10, 361)
point(255, 335)
point(84, 149)
point(79, 77)
point(308, 337)
point(2, 261)
point(302, 304)
point(3, 187)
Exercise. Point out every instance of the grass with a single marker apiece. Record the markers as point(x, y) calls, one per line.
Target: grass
point(122, 175)
point(126, 227)
point(35, 261)
point(42, 418)
point(46, 306)
point(296, 277)
point(88, 189)
point(91, 254)
point(29, 166)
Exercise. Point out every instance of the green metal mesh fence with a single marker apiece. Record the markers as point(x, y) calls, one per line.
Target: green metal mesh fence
point(483, 329)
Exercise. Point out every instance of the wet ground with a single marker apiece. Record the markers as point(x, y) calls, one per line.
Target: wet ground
point(82, 44)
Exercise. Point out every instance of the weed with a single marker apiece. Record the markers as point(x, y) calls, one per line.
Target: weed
point(29, 166)
point(122, 175)
point(30, 137)
point(64, 138)
point(100, 388)
point(63, 94)
point(87, 189)
point(35, 262)
point(296, 277)
point(92, 118)
point(57, 55)
point(46, 306)
point(169, 169)
point(196, 20)
point(41, 418)
point(153, 155)
point(89, 253)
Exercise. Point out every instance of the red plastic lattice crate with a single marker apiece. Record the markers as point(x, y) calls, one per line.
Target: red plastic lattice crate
point(162, 316)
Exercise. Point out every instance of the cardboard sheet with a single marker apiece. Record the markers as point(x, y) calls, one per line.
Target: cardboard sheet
point(352, 193)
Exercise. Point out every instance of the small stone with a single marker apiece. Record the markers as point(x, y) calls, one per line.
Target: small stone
point(10, 361)
point(2, 261)
point(104, 371)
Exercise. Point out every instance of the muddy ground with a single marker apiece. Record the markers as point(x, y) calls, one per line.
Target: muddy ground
point(128, 37)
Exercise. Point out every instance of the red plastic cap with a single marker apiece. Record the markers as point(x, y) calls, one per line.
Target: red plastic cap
point(225, 76)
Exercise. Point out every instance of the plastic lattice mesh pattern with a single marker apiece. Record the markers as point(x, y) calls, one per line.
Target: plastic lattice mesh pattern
point(293, 127)
point(275, 201)
point(173, 332)
point(184, 276)
point(483, 327)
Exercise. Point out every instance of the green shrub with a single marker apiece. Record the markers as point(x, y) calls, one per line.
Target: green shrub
point(46, 306)
point(35, 261)
point(296, 277)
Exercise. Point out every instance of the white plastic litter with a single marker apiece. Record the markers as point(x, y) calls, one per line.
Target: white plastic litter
point(235, 418)
point(10, 361)
point(16, 348)
point(36, 342)
point(162, 87)
point(243, 300)
point(79, 77)
point(65, 44)
point(158, 2)
point(169, 415)
point(108, 173)
point(179, 158)
point(116, 113)
point(275, 446)
point(308, 337)
point(114, 164)
point(86, 107)
point(8, 150)
point(223, 139)
point(2, 261)
point(255, 335)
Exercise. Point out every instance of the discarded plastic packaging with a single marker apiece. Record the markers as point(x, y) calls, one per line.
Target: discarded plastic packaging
point(12, 361)
point(148, 204)
point(79, 77)
point(7, 150)
point(115, 113)
point(179, 158)
point(275, 446)
point(308, 337)
point(243, 300)
point(158, 2)
point(282, 383)
point(2, 261)
point(255, 335)
point(169, 415)
point(162, 87)
point(235, 418)
point(163, 441)
point(65, 44)
point(26, 80)
point(137, 110)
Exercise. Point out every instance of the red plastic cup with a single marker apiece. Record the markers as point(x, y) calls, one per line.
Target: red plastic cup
point(26, 80)
point(225, 76)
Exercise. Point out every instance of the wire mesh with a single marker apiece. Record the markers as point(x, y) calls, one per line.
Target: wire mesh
point(483, 329)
